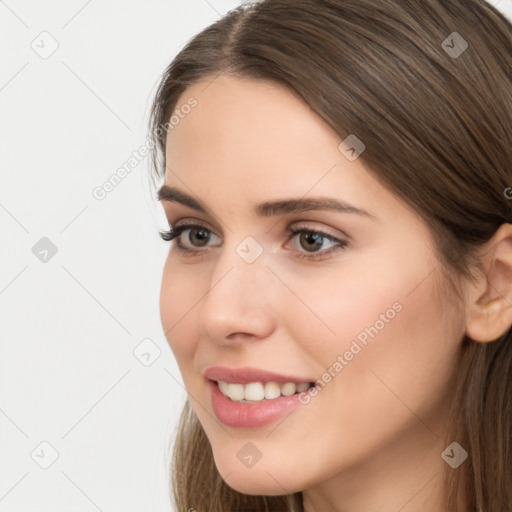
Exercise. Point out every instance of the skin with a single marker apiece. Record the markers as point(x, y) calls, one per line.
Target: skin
point(372, 437)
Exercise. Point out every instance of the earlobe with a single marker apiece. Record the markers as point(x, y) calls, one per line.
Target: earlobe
point(489, 307)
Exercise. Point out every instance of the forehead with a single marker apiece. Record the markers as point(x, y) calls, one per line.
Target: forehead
point(250, 127)
point(234, 113)
point(248, 141)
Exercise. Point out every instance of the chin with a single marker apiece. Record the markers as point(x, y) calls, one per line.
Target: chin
point(259, 480)
point(267, 486)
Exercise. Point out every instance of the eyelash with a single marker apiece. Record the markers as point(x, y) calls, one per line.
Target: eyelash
point(172, 233)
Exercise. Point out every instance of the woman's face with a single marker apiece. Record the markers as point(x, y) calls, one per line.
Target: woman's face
point(362, 308)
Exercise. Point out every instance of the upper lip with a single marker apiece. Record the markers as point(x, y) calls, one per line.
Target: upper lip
point(247, 374)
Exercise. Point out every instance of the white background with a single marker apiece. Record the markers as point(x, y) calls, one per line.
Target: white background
point(69, 326)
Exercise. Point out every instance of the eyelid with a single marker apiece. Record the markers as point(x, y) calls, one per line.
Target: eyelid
point(301, 226)
point(189, 221)
point(292, 227)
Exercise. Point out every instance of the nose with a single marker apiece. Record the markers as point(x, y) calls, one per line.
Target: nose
point(240, 302)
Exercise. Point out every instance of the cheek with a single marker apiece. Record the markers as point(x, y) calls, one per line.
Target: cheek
point(379, 337)
point(357, 301)
point(397, 343)
point(372, 299)
point(178, 295)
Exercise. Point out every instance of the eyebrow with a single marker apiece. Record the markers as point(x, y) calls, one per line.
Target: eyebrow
point(268, 208)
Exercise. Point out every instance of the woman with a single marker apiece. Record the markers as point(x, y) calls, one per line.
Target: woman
point(337, 177)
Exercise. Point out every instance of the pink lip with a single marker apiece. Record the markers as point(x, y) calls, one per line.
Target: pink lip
point(248, 374)
point(239, 415)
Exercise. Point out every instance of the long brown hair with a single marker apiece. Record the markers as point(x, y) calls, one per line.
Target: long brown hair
point(436, 120)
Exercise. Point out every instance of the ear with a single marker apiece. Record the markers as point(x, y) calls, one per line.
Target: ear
point(489, 306)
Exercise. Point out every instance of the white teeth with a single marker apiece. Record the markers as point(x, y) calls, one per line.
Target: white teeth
point(223, 385)
point(288, 389)
point(254, 391)
point(258, 391)
point(272, 390)
point(235, 391)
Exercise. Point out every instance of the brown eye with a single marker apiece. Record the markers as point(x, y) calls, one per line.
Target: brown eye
point(311, 241)
point(188, 236)
point(315, 245)
point(199, 234)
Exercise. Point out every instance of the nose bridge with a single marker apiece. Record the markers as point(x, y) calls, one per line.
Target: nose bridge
point(240, 297)
point(242, 264)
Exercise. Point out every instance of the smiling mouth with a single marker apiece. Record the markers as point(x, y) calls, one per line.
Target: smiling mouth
point(254, 392)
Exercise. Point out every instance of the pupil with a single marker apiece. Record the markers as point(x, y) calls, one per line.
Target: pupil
point(313, 238)
point(201, 235)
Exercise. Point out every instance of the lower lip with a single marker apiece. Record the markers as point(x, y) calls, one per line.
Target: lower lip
point(236, 414)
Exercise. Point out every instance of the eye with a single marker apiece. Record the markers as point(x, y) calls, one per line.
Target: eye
point(197, 233)
point(314, 242)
